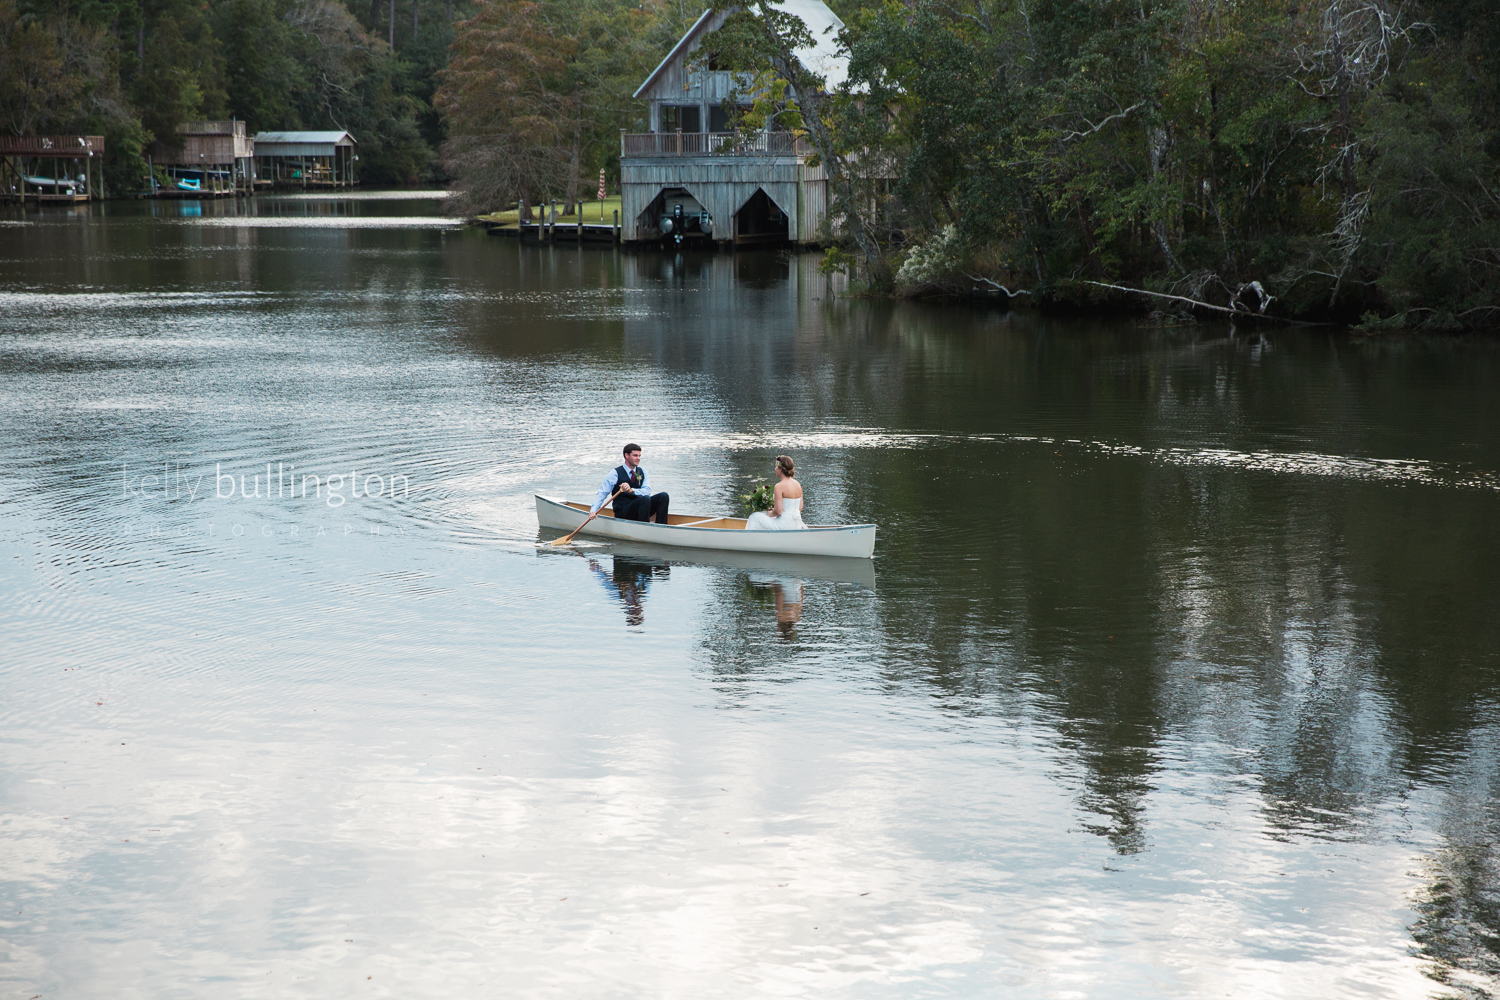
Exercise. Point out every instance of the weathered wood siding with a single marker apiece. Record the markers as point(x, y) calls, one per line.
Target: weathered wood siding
point(814, 206)
point(208, 149)
point(205, 143)
point(677, 84)
point(722, 184)
point(680, 82)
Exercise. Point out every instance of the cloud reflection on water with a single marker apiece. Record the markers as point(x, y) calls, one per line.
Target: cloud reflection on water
point(1164, 690)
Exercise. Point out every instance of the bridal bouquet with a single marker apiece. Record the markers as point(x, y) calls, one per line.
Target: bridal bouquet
point(759, 497)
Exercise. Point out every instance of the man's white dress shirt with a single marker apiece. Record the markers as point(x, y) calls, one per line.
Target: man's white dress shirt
point(611, 481)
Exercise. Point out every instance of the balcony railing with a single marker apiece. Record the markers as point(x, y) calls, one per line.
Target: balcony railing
point(712, 144)
point(51, 145)
point(211, 128)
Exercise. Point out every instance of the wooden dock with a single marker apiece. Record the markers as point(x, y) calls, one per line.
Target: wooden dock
point(578, 232)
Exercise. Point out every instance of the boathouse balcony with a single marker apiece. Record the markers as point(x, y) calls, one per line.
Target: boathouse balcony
point(679, 143)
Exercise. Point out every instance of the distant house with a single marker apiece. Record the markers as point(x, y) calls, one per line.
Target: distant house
point(304, 159)
point(208, 158)
point(690, 178)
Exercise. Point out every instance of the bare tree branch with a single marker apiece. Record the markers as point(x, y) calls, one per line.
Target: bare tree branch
point(1069, 136)
point(1196, 303)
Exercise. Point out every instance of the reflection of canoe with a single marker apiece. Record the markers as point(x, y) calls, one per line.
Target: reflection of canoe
point(761, 566)
point(701, 531)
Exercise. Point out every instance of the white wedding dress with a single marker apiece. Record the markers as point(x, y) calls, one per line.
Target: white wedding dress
point(790, 519)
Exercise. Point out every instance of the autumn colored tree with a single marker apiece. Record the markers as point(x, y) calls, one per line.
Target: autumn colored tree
point(1320, 159)
point(535, 94)
point(502, 97)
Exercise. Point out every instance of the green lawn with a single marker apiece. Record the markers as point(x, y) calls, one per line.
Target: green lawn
point(590, 209)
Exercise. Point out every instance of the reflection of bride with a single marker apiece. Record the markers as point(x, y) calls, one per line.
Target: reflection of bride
point(787, 596)
point(786, 502)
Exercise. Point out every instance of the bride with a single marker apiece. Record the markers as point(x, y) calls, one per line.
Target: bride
point(786, 505)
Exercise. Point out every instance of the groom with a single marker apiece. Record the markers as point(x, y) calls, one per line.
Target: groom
point(635, 501)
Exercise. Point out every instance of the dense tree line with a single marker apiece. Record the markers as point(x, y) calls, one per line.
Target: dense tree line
point(1319, 159)
point(1303, 158)
point(1311, 158)
point(535, 94)
point(132, 70)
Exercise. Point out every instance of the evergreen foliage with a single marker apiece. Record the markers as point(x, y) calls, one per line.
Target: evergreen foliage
point(1333, 160)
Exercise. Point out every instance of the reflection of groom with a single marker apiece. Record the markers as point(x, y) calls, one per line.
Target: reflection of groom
point(629, 582)
point(635, 501)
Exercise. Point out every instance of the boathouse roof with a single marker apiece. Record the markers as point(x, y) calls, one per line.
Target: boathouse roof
point(300, 143)
point(823, 57)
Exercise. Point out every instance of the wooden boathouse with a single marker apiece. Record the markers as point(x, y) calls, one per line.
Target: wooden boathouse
point(65, 168)
point(304, 159)
point(208, 159)
point(690, 179)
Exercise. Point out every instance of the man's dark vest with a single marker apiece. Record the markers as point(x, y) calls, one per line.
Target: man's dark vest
point(635, 479)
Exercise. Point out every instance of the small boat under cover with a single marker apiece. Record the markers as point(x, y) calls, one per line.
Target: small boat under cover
point(704, 531)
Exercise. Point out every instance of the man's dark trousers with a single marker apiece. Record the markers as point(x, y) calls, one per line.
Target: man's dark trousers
point(634, 508)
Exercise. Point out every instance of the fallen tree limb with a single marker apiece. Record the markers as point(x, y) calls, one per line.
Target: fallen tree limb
point(1247, 314)
point(995, 284)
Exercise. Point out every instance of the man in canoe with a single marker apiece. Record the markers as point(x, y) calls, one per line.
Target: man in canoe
point(631, 486)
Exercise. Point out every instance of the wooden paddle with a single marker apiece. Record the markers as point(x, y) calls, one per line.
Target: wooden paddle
point(564, 540)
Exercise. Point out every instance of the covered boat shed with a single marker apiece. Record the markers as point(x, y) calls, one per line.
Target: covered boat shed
point(304, 159)
point(51, 167)
point(208, 158)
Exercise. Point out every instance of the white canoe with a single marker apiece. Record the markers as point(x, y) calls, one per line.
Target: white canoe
point(703, 531)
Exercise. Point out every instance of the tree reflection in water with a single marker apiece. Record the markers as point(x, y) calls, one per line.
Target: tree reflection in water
point(1458, 907)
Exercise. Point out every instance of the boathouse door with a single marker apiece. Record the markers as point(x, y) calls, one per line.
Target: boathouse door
point(760, 220)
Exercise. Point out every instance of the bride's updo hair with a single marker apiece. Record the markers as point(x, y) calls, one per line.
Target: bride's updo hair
point(786, 465)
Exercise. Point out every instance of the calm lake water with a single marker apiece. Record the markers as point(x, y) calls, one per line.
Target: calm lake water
point(1175, 673)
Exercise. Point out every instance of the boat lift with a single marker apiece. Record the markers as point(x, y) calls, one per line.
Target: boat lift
point(66, 168)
